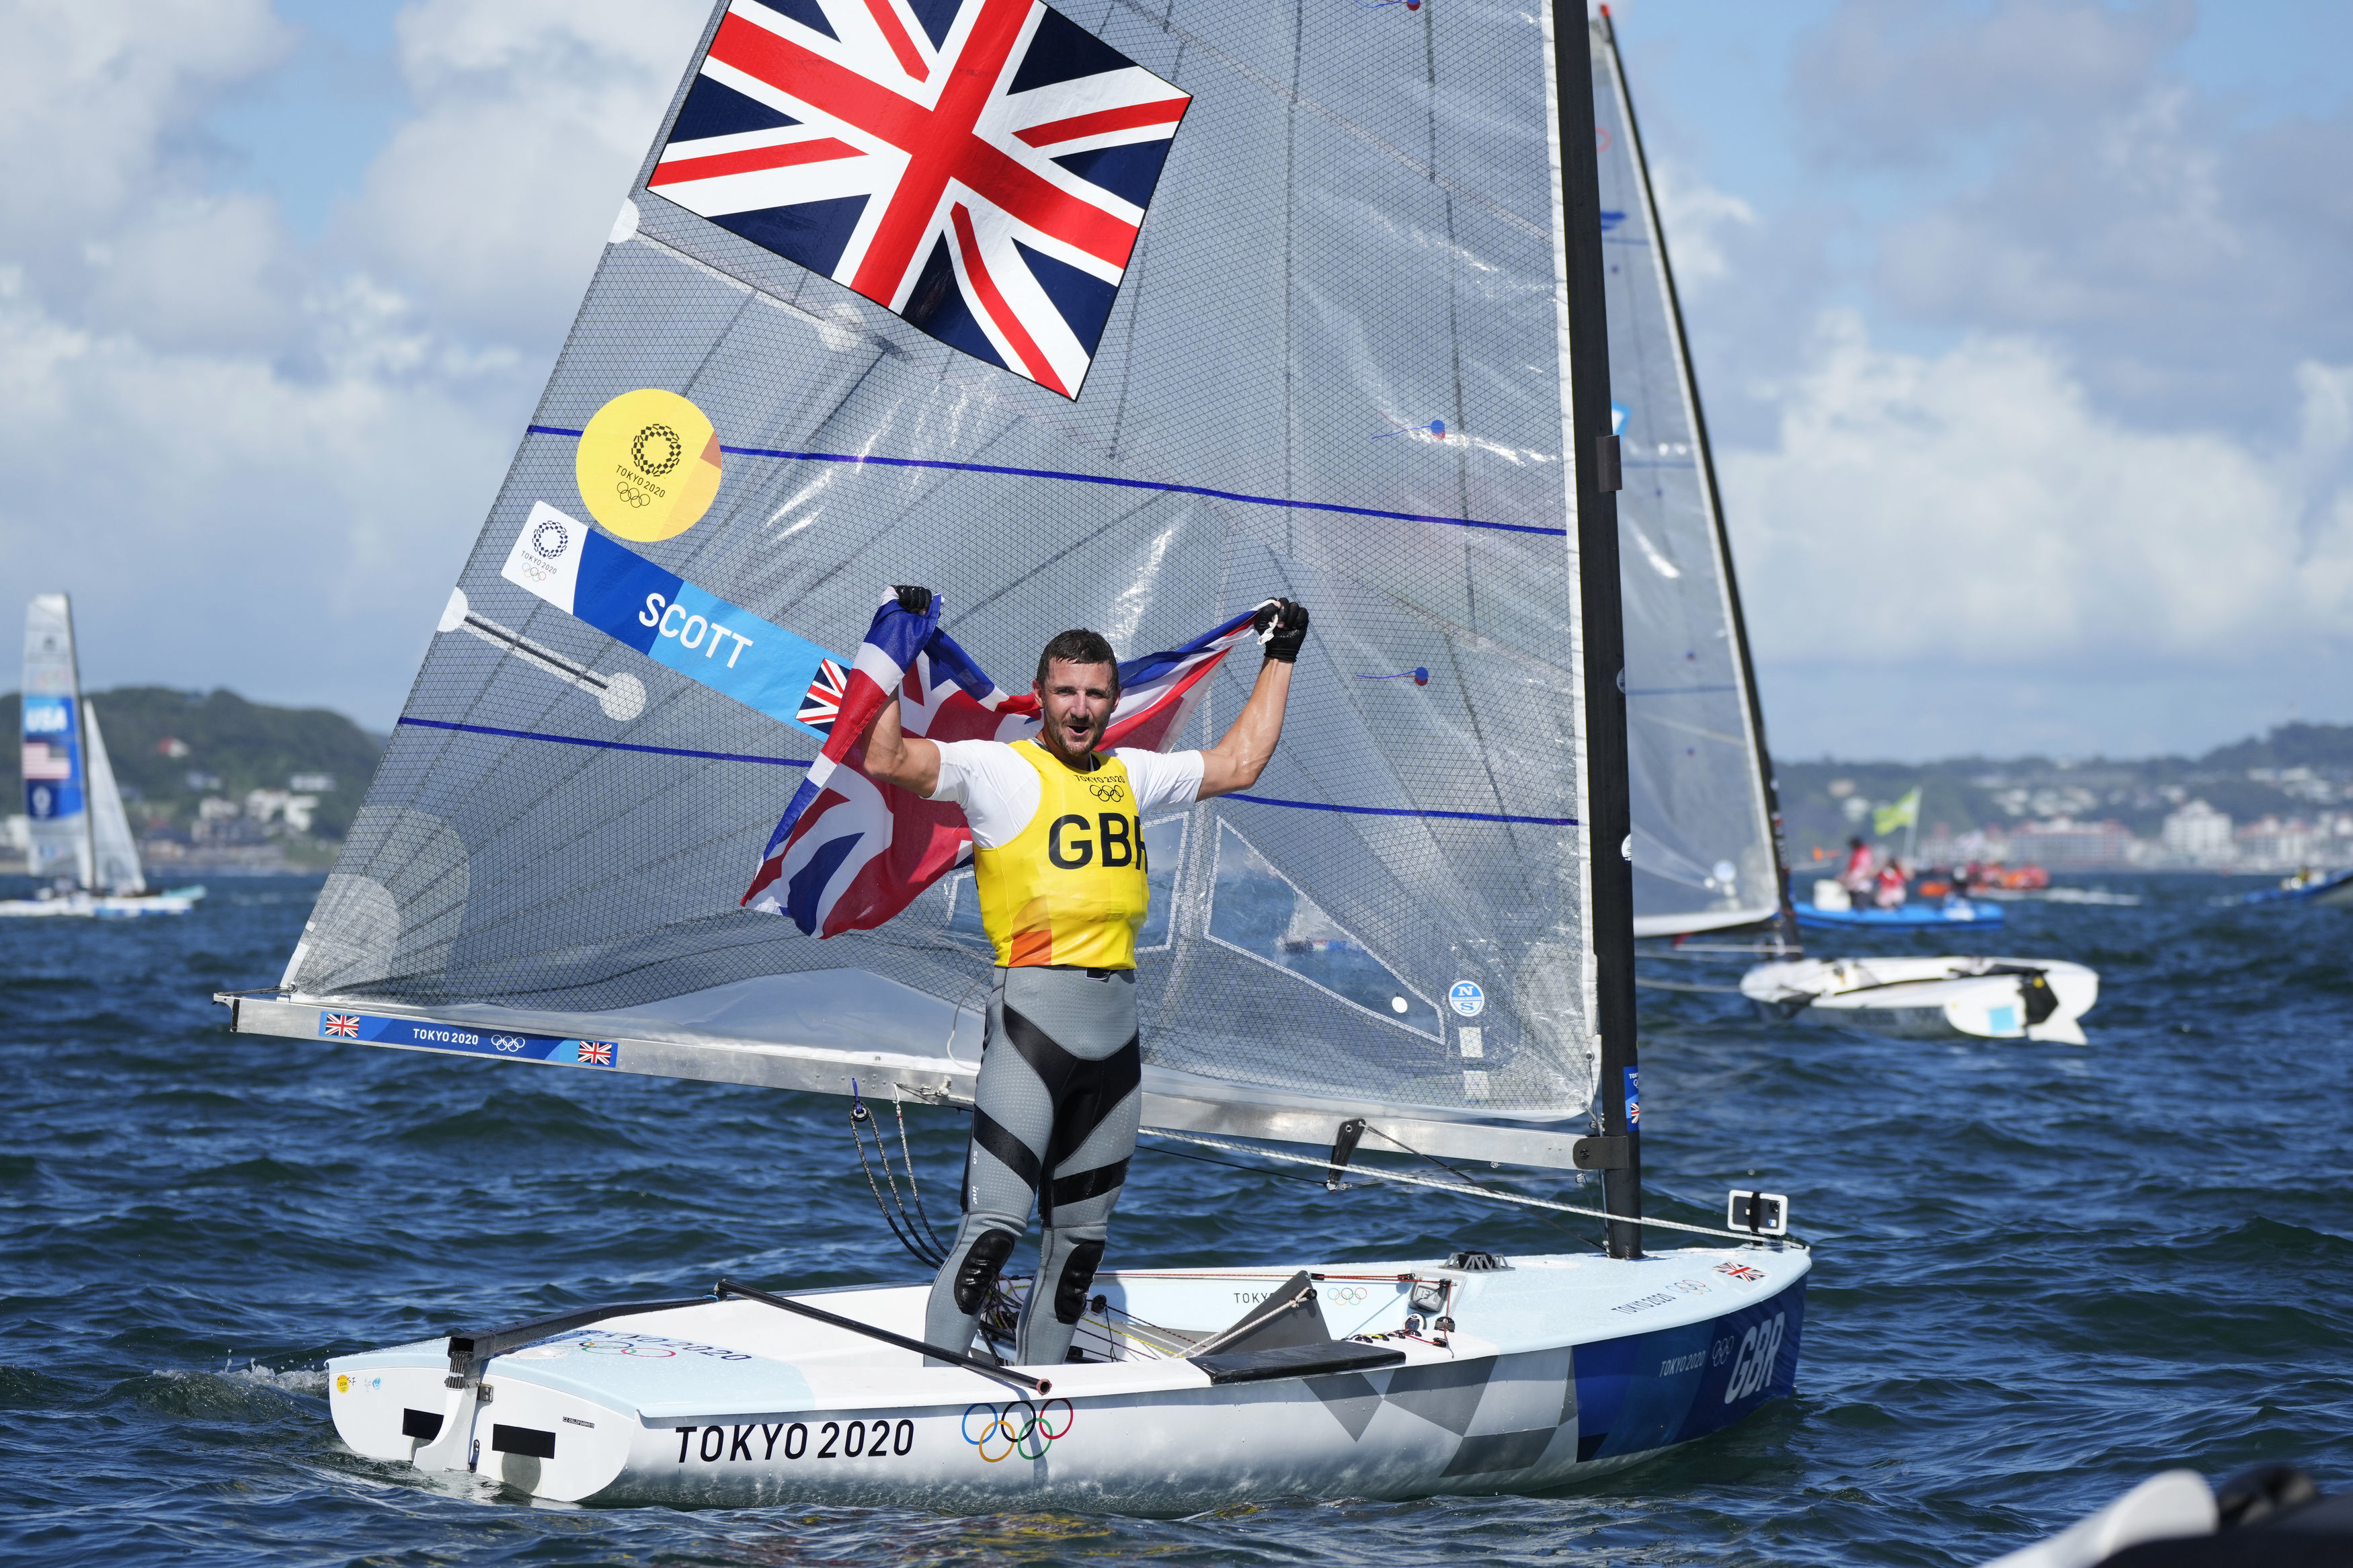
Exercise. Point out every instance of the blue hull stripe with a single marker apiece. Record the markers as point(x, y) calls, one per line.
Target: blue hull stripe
point(1654, 1390)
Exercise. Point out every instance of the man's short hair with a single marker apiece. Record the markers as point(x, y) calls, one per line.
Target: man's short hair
point(1078, 645)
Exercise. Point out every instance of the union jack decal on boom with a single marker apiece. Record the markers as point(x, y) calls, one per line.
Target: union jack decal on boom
point(980, 167)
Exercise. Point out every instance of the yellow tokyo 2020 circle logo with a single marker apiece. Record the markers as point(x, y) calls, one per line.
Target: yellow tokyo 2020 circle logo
point(648, 465)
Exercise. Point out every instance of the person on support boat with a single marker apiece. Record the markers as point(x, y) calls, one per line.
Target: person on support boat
point(1855, 876)
point(1892, 887)
point(1059, 868)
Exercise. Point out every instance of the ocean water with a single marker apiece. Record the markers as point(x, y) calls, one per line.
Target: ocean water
point(2041, 1272)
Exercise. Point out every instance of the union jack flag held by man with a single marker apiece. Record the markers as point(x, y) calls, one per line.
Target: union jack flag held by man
point(851, 853)
point(980, 167)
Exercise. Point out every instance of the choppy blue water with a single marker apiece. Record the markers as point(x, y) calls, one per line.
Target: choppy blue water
point(2042, 1272)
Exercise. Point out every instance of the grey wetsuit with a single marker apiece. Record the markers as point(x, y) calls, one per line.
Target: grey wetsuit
point(1057, 1106)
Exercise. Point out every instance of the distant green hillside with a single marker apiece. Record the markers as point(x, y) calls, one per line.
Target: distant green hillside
point(169, 747)
point(2317, 746)
point(2247, 779)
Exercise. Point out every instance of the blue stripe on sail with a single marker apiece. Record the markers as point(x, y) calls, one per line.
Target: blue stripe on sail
point(1408, 811)
point(799, 762)
point(602, 745)
point(1168, 486)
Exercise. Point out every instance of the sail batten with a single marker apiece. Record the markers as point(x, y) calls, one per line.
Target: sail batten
point(1334, 366)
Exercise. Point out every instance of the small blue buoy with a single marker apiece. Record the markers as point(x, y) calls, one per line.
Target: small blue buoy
point(1422, 678)
point(1436, 426)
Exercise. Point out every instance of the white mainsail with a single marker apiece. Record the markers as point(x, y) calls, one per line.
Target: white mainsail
point(1217, 301)
point(1242, 307)
point(56, 779)
point(1706, 853)
point(114, 854)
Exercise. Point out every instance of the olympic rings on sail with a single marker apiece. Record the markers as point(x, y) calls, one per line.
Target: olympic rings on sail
point(1016, 1426)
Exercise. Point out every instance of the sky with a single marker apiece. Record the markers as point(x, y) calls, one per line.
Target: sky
point(2024, 329)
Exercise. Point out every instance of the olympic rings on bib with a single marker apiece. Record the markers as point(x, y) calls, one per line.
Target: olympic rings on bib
point(1016, 1426)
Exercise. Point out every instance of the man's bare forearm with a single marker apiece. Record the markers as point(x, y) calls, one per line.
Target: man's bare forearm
point(895, 757)
point(1236, 761)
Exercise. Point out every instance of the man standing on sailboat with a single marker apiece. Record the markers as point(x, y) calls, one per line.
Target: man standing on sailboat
point(1058, 866)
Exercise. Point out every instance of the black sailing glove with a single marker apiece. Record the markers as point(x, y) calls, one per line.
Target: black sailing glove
point(914, 601)
point(1281, 628)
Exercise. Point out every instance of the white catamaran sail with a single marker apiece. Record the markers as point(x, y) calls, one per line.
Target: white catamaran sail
point(114, 854)
point(1706, 854)
point(1128, 319)
point(80, 836)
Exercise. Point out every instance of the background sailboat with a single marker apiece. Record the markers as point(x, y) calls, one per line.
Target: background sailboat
point(79, 835)
point(1706, 847)
point(1139, 361)
point(1707, 852)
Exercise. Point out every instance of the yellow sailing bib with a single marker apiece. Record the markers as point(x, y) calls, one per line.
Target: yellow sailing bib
point(1070, 888)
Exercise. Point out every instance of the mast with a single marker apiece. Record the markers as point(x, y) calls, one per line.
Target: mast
point(1608, 799)
point(1788, 917)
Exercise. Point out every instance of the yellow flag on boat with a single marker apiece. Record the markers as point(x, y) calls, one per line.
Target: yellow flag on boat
point(1904, 813)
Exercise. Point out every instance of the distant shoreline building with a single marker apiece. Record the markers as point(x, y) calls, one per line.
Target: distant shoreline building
point(2198, 834)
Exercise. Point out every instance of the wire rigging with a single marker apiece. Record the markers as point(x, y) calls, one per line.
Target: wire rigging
point(1475, 1192)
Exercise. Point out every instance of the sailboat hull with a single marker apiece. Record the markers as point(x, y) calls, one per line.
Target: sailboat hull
point(2337, 891)
point(1943, 912)
point(1931, 998)
point(103, 906)
point(733, 1403)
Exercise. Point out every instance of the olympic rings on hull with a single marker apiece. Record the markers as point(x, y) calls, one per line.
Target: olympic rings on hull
point(1016, 1426)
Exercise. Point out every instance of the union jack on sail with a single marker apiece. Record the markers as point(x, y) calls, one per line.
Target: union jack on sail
point(980, 167)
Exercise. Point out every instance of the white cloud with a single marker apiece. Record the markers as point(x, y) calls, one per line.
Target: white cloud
point(257, 462)
point(96, 97)
point(1700, 221)
point(1974, 509)
point(218, 519)
point(494, 201)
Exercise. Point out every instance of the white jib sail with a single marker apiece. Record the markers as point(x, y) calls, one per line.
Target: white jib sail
point(1244, 306)
point(114, 853)
point(1704, 848)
